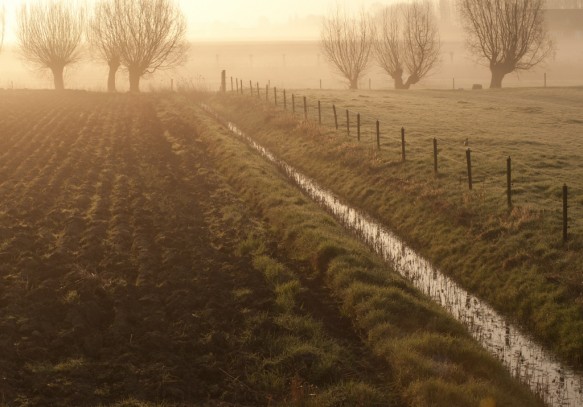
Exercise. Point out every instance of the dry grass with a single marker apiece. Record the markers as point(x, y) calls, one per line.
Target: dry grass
point(386, 310)
point(471, 235)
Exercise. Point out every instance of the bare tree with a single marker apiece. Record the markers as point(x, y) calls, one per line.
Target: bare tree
point(508, 35)
point(150, 35)
point(347, 43)
point(407, 40)
point(49, 35)
point(103, 37)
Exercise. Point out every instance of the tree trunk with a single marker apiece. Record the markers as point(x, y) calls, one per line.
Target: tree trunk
point(412, 80)
point(354, 83)
point(58, 77)
point(497, 77)
point(113, 67)
point(134, 81)
point(398, 82)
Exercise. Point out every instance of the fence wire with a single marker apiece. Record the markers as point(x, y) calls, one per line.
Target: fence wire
point(488, 172)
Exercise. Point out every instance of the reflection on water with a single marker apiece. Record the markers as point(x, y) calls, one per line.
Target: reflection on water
point(558, 385)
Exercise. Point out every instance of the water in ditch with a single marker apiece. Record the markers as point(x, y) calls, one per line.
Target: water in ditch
point(556, 384)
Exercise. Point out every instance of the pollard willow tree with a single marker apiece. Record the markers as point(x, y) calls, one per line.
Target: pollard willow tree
point(347, 43)
point(150, 36)
point(103, 37)
point(49, 35)
point(508, 35)
point(407, 40)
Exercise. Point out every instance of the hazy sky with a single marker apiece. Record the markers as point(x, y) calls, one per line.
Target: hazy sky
point(245, 11)
point(239, 19)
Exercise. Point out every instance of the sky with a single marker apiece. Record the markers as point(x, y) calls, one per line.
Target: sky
point(250, 10)
point(242, 19)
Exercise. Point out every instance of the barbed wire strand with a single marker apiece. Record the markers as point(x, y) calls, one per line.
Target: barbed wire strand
point(384, 135)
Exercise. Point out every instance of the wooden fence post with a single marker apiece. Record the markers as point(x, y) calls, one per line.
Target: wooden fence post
point(223, 81)
point(266, 92)
point(258, 93)
point(358, 126)
point(378, 135)
point(237, 83)
point(251, 88)
point(319, 113)
point(293, 103)
point(403, 156)
point(509, 181)
point(305, 108)
point(469, 160)
point(565, 213)
point(241, 86)
point(335, 116)
point(347, 122)
point(275, 95)
point(435, 156)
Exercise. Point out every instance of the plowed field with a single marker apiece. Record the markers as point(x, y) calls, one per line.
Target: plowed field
point(116, 271)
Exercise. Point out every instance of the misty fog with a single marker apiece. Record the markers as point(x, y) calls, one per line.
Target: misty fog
point(287, 53)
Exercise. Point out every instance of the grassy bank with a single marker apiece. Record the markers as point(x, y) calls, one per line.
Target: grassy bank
point(512, 259)
point(430, 357)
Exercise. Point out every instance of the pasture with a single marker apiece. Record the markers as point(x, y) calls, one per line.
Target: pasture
point(514, 258)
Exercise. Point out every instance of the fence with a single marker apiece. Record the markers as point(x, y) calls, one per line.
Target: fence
point(475, 168)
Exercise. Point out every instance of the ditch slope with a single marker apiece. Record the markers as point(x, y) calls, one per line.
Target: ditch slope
point(512, 259)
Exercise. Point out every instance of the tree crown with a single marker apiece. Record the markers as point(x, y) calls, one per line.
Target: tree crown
point(49, 33)
point(347, 43)
point(407, 37)
point(102, 34)
point(149, 34)
point(508, 34)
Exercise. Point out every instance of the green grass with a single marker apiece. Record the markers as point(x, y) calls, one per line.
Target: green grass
point(515, 259)
point(417, 340)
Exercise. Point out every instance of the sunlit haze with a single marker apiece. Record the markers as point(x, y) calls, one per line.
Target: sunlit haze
point(241, 20)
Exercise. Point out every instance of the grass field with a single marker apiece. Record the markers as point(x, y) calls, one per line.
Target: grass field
point(515, 259)
point(540, 129)
point(148, 258)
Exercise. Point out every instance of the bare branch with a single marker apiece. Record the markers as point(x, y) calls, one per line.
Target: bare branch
point(508, 35)
point(150, 36)
point(102, 34)
point(49, 35)
point(104, 38)
point(389, 44)
point(347, 43)
point(407, 38)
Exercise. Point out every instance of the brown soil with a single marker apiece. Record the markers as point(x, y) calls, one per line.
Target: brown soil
point(119, 261)
point(113, 279)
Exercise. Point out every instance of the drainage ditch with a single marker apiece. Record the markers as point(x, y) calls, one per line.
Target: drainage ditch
point(531, 363)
